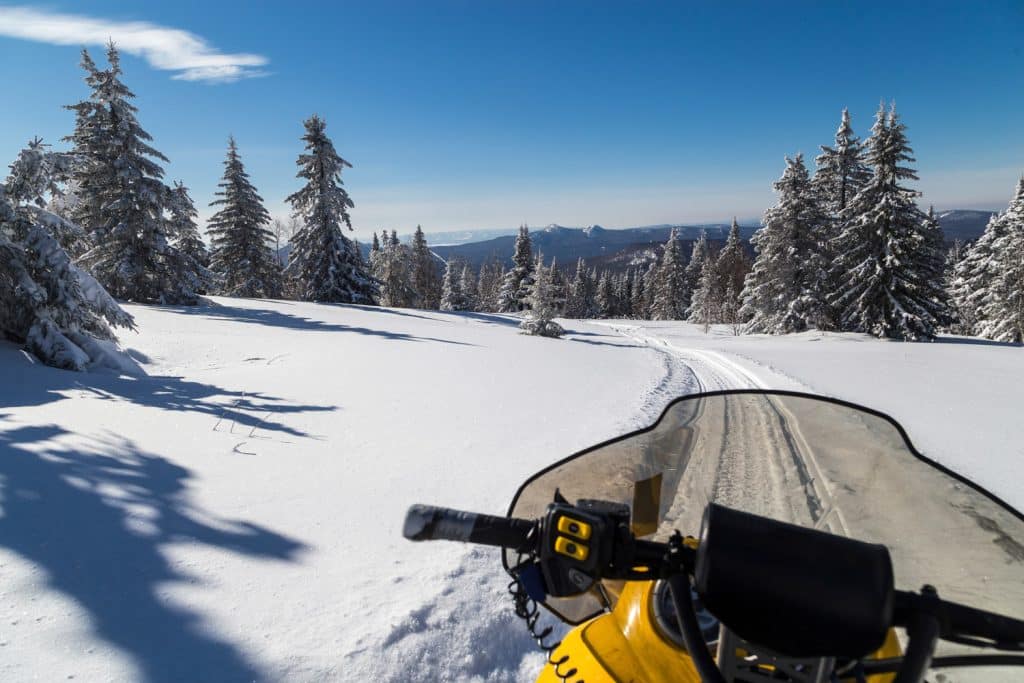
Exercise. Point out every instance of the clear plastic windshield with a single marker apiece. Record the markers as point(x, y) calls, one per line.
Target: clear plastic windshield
point(807, 461)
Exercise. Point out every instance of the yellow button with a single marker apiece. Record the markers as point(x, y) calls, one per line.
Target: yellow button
point(570, 548)
point(574, 527)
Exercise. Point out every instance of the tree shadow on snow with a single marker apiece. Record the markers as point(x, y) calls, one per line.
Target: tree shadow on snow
point(492, 318)
point(273, 318)
point(975, 341)
point(623, 344)
point(96, 519)
point(29, 384)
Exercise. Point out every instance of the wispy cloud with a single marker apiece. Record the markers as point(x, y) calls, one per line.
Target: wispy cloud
point(169, 49)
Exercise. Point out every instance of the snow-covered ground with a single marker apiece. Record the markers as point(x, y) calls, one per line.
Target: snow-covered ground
point(232, 511)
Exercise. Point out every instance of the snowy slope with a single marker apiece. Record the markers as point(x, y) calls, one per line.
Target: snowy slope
point(234, 514)
point(232, 511)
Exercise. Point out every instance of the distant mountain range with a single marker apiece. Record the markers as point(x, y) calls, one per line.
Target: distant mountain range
point(594, 244)
point(624, 248)
point(629, 247)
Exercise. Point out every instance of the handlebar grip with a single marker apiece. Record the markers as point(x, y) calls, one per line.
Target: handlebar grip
point(429, 523)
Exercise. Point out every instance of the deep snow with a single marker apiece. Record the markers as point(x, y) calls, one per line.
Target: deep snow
point(232, 511)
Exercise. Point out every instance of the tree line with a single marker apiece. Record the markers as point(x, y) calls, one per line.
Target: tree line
point(844, 249)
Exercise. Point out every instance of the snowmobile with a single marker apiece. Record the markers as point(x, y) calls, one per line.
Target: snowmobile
point(808, 513)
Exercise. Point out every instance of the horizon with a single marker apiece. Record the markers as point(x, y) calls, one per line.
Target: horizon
point(460, 117)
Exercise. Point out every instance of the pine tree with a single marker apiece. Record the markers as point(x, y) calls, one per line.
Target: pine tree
point(327, 266)
point(841, 172)
point(516, 288)
point(59, 312)
point(733, 262)
point(184, 232)
point(706, 304)
point(492, 275)
point(670, 296)
point(468, 285)
point(541, 305)
point(650, 288)
point(393, 270)
point(604, 297)
point(884, 256)
point(973, 277)
point(425, 278)
point(700, 252)
point(576, 304)
point(452, 298)
point(638, 302)
point(1003, 300)
point(785, 291)
point(123, 197)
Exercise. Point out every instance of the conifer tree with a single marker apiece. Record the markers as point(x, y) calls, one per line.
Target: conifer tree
point(700, 252)
point(786, 289)
point(1002, 301)
point(884, 255)
point(492, 275)
point(841, 172)
point(392, 268)
point(240, 255)
point(327, 266)
point(576, 304)
point(58, 311)
point(516, 287)
point(425, 278)
point(184, 232)
point(638, 301)
point(540, 320)
point(452, 298)
point(706, 303)
point(122, 197)
point(604, 297)
point(670, 296)
point(470, 289)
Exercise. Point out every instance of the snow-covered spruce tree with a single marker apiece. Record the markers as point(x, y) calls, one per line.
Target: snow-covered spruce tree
point(650, 288)
point(732, 266)
point(193, 257)
point(576, 305)
point(841, 172)
point(540, 320)
point(638, 300)
point(123, 197)
point(706, 303)
point(973, 276)
point(884, 259)
point(425, 279)
point(515, 289)
point(326, 265)
point(786, 289)
point(468, 285)
point(1003, 301)
point(492, 275)
point(604, 297)
point(700, 252)
point(392, 267)
point(670, 296)
point(452, 298)
point(240, 254)
point(58, 311)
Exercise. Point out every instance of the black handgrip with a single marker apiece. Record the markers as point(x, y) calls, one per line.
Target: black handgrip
point(429, 523)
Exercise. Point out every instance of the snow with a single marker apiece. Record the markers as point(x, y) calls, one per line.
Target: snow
point(229, 507)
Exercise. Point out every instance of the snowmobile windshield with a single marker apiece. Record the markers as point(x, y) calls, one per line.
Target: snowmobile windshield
point(804, 460)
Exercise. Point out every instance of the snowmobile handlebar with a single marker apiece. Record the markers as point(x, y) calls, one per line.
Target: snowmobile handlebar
point(573, 546)
point(430, 523)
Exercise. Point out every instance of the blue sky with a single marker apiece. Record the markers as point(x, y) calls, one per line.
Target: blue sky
point(489, 114)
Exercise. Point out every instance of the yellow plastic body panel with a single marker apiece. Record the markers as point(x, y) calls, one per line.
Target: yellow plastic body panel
point(624, 646)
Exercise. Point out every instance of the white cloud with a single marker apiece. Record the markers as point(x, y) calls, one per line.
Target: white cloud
point(169, 49)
